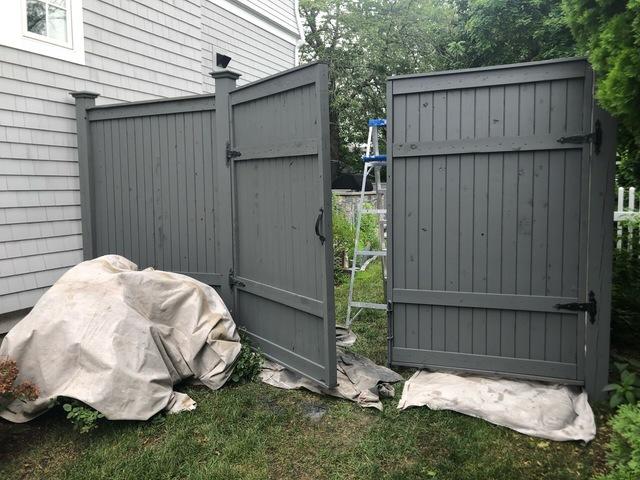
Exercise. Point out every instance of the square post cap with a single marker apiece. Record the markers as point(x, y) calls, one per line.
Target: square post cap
point(224, 74)
point(84, 94)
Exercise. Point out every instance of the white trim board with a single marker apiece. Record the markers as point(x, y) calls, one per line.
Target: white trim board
point(259, 19)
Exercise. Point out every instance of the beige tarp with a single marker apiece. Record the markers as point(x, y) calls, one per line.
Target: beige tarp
point(554, 412)
point(359, 380)
point(119, 339)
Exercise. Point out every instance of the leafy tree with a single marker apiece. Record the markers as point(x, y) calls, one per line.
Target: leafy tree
point(364, 42)
point(510, 31)
point(609, 30)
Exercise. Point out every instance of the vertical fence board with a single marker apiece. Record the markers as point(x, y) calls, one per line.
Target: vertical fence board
point(100, 185)
point(150, 175)
point(139, 193)
point(425, 236)
point(209, 207)
point(132, 193)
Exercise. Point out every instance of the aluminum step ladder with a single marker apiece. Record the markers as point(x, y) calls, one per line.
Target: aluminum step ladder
point(372, 163)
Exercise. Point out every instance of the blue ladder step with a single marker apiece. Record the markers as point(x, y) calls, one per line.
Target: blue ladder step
point(378, 122)
point(374, 158)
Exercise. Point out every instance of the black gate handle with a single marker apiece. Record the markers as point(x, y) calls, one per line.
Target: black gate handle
point(318, 220)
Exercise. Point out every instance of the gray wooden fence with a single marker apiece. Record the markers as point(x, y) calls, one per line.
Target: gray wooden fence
point(497, 220)
point(231, 189)
point(151, 193)
point(500, 197)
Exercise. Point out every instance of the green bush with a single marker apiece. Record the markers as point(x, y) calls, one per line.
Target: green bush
point(83, 417)
point(344, 233)
point(625, 316)
point(248, 363)
point(626, 389)
point(369, 230)
point(623, 456)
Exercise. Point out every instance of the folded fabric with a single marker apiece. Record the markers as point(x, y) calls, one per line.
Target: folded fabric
point(359, 380)
point(554, 412)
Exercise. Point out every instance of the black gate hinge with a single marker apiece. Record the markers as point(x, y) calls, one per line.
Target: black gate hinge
point(231, 153)
point(595, 137)
point(233, 281)
point(390, 320)
point(591, 307)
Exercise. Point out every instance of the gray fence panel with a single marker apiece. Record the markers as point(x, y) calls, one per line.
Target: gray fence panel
point(153, 175)
point(283, 271)
point(489, 224)
point(158, 188)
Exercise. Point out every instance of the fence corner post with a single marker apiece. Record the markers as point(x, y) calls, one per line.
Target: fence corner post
point(84, 101)
point(225, 83)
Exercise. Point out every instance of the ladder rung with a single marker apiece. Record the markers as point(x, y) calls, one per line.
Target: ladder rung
point(374, 210)
point(376, 306)
point(379, 253)
point(377, 122)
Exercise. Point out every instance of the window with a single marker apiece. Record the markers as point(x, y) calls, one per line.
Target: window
point(48, 27)
point(49, 19)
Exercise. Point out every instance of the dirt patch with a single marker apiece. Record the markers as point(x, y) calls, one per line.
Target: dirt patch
point(32, 444)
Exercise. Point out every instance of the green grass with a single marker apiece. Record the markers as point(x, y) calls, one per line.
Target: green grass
point(255, 431)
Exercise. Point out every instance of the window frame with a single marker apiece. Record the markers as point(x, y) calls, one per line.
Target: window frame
point(47, 38)
point(14, 33)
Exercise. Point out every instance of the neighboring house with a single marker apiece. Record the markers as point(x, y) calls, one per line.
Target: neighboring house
point(125, 50)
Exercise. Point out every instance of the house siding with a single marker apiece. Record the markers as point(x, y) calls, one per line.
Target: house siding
point(255, 53)
point(133, 51)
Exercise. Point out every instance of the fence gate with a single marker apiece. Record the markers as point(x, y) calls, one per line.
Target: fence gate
point(283, 278)
point(500, 224)
point(232, 189)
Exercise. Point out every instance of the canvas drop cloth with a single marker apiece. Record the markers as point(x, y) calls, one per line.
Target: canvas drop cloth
point(119, 339)
point(359, 380)
point(554, 412)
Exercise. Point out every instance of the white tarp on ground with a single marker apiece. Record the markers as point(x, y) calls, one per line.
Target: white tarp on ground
point(119, 339)
point(554, 412)
point(359, 380)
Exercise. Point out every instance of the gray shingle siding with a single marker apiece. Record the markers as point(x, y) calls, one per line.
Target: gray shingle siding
point(134, 50)
point(256, 53)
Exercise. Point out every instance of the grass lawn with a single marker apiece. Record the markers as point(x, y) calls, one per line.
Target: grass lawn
point(255, 431)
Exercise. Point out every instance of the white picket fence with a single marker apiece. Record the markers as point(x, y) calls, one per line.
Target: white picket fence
point(622, 213)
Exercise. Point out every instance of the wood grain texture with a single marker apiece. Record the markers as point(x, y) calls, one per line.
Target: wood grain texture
point(280, 184)
point(489, 215)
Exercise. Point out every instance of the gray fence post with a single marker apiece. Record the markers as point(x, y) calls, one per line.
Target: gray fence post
point(84, 101)
point(225, 82)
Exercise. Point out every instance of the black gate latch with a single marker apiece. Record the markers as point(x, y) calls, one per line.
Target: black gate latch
point(231, 153)
point(591, 307)
point(595, 137)
point(233, 281)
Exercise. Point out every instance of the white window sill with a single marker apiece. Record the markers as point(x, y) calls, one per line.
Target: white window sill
point(43, 47)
